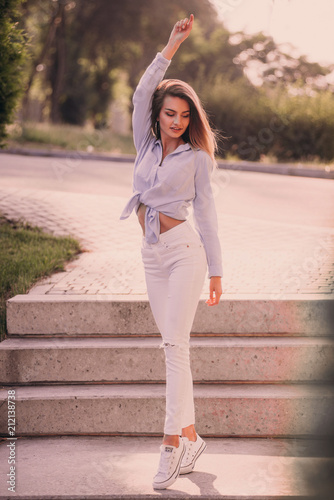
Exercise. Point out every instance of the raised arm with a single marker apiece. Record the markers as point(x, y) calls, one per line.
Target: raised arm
point(180, 32)
point(142, 98)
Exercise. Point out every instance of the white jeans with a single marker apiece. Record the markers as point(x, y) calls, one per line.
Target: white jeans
point(175, 269)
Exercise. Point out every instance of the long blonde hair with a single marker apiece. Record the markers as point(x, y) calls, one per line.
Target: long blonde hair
point(199, 134)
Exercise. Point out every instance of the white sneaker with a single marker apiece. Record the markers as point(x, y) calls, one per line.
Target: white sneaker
point(193, 451)
point(169, 465)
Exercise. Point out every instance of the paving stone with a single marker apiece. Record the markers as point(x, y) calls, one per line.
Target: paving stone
point(281, 258)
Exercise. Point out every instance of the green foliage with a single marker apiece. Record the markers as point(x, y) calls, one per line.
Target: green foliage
point(308, 129)
point(286, 126)
point(91, 39)
point(275, 65)
point(239, 110)
point(71, 138)
point(12, 54)
point(26, 255)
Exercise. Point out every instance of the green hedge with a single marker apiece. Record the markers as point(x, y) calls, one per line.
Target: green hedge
point(286, 126)
point(12, 55)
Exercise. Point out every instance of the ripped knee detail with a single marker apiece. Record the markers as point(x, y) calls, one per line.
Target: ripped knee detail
point(166, 345)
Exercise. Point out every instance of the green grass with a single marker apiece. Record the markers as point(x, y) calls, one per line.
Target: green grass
point(69, 138)
point(26, 255)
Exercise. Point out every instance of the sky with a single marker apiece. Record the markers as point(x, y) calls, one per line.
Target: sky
point(306, 24)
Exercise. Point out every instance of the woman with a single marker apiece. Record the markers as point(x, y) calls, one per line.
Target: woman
point(175, 157)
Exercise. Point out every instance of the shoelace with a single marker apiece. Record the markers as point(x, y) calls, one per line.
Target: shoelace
point(165, 461)
point(190, 451)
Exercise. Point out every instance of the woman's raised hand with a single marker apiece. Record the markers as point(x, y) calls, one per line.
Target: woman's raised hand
point(182, 29)
point(180, 32)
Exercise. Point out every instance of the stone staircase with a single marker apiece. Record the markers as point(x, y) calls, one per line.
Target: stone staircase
point(90, 365)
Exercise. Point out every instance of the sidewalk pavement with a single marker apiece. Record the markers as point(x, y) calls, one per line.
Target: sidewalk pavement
point(120, 467)
point(259, 256)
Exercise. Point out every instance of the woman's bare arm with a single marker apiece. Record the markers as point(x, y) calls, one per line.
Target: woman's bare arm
point(180, 32)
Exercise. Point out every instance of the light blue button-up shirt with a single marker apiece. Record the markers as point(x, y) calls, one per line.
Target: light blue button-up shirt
point(171, 186)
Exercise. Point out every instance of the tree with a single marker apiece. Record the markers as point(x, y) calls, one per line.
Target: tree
point(272, 64)
point(80, 43)
point(12, 54)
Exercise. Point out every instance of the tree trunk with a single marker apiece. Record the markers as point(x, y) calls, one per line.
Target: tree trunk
point(39, 60)
point(59, 64)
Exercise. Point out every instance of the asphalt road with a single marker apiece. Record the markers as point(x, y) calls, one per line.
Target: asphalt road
point(280, 198)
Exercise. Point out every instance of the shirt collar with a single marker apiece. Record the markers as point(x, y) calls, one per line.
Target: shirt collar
point(182, 147)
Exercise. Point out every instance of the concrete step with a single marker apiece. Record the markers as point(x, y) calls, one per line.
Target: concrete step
point(222, 410)
point(64, 315)
point(117, 360)
point(97, 468)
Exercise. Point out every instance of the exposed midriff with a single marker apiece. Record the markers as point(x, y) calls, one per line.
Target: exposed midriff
point(166, 222)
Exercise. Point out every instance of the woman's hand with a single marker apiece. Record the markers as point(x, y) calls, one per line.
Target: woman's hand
point(180, 32)
point(215, 290)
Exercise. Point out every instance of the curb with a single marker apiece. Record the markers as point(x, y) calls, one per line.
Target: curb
point(248, 166)
point(77, 155)
point(277, 168)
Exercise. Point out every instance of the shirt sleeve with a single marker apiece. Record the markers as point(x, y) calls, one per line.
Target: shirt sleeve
point(142, 99)
point(205, 215)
